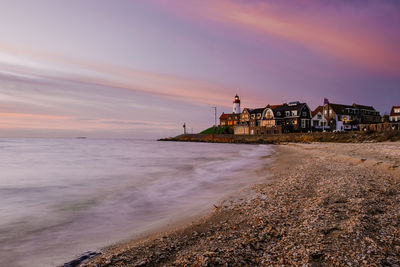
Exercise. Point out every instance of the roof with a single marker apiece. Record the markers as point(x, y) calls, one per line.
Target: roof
point(315, 112)
point(285, 107)
point(392, 113)
point(224, 116)
point(340, 109)
point(248, 109)
point(256, 110)
point(273, 106)
point(364, 107)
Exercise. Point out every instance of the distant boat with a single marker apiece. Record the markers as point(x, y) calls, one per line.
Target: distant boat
point(81, 137)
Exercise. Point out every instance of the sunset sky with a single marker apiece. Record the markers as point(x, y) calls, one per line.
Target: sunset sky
point(139, 69)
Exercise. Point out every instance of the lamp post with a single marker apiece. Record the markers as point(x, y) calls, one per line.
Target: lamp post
point(215, 116)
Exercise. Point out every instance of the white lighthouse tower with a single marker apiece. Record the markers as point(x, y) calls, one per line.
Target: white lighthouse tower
point(236, 105)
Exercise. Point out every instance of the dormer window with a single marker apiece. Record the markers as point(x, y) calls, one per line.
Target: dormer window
point(269, 115)
point(278, 113)
point(294, 112)
point(287, 113)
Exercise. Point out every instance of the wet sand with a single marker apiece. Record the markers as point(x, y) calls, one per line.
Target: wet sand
point(326, 204)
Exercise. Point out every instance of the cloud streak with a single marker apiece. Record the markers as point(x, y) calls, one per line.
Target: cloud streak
point(336, 32)
point(160, 84)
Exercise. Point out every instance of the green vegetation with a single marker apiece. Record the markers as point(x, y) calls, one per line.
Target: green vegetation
point(218, 130)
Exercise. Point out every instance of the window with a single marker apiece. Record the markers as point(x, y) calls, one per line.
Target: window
point(287, 113)
point(303, 123)
point(304, 113)
point(294, 112)
point(278, 113)
point(319, 116)
point(270, 123)
point(269, 115)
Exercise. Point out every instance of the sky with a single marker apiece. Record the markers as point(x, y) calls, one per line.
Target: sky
point(140, 69)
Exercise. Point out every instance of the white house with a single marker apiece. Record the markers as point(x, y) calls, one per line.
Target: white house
point(318, 120)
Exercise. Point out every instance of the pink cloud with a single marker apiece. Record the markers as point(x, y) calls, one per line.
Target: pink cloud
point(341, 35)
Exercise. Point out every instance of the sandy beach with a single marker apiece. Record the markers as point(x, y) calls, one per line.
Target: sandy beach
point(328, 204)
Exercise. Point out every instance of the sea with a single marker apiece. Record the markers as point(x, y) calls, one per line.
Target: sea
point(60, 198)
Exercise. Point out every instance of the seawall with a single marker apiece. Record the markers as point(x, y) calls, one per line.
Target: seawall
point(345, 137)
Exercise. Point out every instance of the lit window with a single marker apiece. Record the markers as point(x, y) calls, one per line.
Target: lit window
point(269, 115)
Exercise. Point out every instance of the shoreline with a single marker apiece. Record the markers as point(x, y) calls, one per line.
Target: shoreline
point(327, 204)
point(178, 222)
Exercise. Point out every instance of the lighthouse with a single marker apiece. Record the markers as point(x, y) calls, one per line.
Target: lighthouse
point(236, 105)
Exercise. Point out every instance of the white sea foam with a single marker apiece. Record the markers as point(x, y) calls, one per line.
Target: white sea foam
point(61, 197)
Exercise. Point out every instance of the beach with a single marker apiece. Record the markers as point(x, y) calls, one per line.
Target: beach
point(323, 204)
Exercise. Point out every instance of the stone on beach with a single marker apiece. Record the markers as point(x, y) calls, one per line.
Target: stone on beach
point(325, 207)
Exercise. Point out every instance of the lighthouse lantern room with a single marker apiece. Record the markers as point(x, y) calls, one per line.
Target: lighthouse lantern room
point(236, 105)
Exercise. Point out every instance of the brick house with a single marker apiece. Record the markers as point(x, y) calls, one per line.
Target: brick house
point(229, 119)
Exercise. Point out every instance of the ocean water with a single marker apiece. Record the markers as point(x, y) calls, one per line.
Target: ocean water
point(62, 197)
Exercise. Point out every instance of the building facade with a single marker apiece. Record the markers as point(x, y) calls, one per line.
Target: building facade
point(319, 122)
point(348, 118)
point(292, 117)
point(229, 119)
point(395, 114)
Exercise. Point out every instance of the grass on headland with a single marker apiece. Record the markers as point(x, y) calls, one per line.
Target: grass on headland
point(218, 130)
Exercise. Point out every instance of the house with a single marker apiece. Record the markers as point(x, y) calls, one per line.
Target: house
point(341, 117)
point(347, 118)
point(275, 119)
point(229, 119)
point(367, 114)
point(318, 120)
point(395, 114)
point(243, 128)
point(292, 117)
